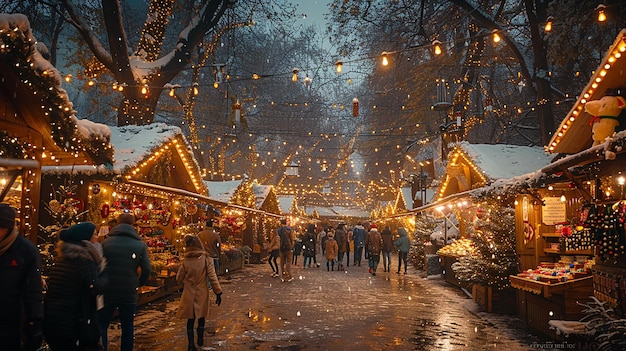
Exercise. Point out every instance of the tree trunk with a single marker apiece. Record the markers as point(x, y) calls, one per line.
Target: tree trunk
point(537, 13)
point(137, 108)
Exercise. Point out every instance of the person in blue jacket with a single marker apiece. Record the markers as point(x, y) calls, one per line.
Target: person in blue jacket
point(128, 267)
point(403, 245)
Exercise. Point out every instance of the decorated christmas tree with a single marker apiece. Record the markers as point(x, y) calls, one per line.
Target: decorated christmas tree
point(65, 209)
point(494, 239)
point(420, 241)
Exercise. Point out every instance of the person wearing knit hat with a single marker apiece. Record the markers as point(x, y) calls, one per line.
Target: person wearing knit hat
point(78, 232)
point(21, 296)
point(193, 273)
point(73, 285)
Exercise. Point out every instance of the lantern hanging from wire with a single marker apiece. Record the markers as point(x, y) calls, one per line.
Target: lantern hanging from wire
point(355, 107)
point(443, 96)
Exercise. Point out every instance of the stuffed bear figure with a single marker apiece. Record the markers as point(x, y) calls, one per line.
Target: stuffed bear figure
point(605, 114)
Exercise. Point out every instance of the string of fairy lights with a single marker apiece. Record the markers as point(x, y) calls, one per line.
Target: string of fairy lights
point(149, 50)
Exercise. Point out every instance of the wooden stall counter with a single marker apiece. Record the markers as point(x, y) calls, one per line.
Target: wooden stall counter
point(538, 302)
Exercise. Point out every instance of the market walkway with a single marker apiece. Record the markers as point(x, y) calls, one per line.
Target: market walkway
point(322, 310)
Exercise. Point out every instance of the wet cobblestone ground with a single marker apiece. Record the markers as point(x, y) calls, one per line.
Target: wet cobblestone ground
point(321, 310)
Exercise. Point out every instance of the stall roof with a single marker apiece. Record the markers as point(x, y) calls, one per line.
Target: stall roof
point(574, 133)
point(222, 190)
point(32, 85)
point(285, 202)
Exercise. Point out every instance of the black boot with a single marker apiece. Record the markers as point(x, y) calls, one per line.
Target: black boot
point(192, 346)
point(200, 336)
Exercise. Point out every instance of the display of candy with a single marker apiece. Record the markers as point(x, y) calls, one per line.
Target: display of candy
point(557, 273)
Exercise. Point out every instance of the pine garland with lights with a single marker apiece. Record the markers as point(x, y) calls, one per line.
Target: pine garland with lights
point(495, 256)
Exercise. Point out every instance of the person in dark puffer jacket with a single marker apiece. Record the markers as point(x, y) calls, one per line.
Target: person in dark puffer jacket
point(21, 297)
point(74, 282)
point(128, 267)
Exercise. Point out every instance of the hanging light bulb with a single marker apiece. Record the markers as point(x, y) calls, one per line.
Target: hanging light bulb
point(496, 36)
point(339, 66)
point(294, 76)
point(548, 26)
point(91, 82)
point(216, 85)
point(144, 90)
point(195, 89)
point(171, 92)
point(385, 61)
point(68, 78)
point(601, 14)
point(437, 47)
point(307, 80)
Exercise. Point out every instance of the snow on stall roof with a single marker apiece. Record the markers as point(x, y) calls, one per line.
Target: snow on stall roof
point(261, 192)
point(10, 21)
point(285, 202)
point(502, 161)
point(222, 190)
point(132, 145)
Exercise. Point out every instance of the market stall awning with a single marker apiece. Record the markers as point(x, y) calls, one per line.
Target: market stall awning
point(574, 133)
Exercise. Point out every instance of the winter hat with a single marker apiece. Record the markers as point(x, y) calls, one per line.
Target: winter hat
point(126, 218)
point(193, 241)
point(78, 232)
point(373, 225)
point(402, 231)
point(7, 216)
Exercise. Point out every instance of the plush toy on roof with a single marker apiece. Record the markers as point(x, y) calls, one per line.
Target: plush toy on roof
point(606, 116)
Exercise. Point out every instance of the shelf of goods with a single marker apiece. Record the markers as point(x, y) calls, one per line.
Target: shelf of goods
point(552, 293)
point(609, 285)
point(578, 243)
point(449, 254)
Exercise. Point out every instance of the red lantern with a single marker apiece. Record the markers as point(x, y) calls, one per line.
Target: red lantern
point(104, 211)
point(355, 107)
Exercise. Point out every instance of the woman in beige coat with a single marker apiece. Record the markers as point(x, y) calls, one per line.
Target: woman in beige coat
point(196, 267)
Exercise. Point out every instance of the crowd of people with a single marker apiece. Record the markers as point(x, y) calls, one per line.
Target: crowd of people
point(89, 282)
point(335, 244)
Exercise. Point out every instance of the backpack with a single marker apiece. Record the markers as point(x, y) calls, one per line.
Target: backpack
point(285, 239)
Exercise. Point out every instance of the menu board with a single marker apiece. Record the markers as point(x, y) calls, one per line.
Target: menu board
point(553, 211)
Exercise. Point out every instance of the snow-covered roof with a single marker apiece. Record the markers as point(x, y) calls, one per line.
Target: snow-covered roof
point(501, 161)
point(222, 190)
point(37, 83)
point(132, 145)
point(285, 202)
point(261, 192)
point(338, 211)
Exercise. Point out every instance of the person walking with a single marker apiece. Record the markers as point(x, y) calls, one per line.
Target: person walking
point(297, 250)
point(331, 251)
point(340, 237)
point(286, 249)
point(373, 246)
point(212, 242)
point(21, 296)
point(274, 249)
point(70, 304)
point(310, 243)
point(387, 236)
point(403, 245)
point(197, 267)
point(128, 267)
point(321, 239)
point(358, 238)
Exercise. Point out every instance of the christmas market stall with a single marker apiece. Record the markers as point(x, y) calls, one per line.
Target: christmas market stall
point(38, 126)
point(154, 176)
point(586, 230)
point(469, 261)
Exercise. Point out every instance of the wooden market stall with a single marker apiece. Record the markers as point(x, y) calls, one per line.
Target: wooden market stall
point(38, 126)
point(471, 167)
point(570, 226)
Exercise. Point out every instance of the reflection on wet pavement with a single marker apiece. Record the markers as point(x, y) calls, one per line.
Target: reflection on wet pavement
point(321, 310)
